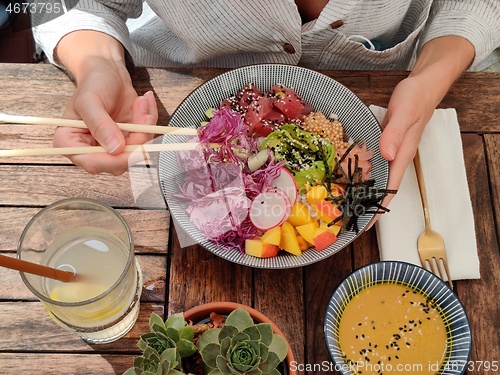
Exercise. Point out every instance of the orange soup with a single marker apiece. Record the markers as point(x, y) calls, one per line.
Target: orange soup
point(392, 329)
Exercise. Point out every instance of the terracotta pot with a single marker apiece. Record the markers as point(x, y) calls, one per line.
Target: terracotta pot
point(201, 312)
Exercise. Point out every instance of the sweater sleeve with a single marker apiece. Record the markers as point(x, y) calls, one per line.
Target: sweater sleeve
point(478, 21)
point(108, 17)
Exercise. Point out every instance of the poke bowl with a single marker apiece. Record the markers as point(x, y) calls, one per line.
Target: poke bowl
point(398, 318)
point(240, 195)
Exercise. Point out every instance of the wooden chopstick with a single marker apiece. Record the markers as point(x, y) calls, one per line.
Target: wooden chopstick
point(136, 128)
point(149, 147)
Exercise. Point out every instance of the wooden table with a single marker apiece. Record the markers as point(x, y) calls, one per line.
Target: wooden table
point(176, 278)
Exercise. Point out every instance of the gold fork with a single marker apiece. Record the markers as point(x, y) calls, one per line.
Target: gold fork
point(431, 249)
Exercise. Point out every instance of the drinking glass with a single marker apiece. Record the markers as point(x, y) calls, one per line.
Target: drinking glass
point(92, 240)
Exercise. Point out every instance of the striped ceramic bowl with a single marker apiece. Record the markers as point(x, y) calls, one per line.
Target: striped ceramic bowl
point(324, 94)
point(414, 279)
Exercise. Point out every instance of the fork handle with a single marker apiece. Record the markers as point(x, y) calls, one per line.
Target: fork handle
point(421, 186)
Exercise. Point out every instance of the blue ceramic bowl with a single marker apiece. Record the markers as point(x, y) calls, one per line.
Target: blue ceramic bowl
point(459, 341)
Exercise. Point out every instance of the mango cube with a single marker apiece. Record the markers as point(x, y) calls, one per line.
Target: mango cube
point(326, 210)
point(289, 241)
point(307, 231)
point(323, 238)
point(259, 249)
point(299, 215)
point(272, 236)
point(303, 244)
point(316, 193)
point(335, 228)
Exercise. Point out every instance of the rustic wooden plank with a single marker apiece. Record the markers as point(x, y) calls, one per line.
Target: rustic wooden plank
point(154, 270)
point(283, 288)
point(34, 89)
point(476, 295)
point(365, 249)
point(31, 185)
point(43, 90)
point(492, 142)
point(181, 82)
point(321, 279)
point(154, 275)
point(63, 364)
point(198, 276)
point(26, 136)
point(149, 227)
point(376, 88)
point(474, 96)
point(26, 327)
point(27, 90)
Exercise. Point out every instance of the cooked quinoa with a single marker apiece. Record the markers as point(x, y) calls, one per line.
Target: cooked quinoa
point(316, 122)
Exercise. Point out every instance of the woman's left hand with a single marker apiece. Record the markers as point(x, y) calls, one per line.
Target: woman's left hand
point(410, 109)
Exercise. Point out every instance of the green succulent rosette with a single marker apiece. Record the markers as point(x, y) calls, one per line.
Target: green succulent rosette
point(150, 363)
point(174, 333)
point(164, 347)
point(242, 347)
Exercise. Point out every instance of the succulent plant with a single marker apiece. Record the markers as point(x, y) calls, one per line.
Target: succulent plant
point(168, 363)
point(242, 347)
point(174, 333)
point(164, 347)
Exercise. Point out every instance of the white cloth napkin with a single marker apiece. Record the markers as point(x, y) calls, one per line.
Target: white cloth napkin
point(450, 208)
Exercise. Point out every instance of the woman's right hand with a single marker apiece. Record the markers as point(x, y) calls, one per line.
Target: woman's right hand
point(104, 96)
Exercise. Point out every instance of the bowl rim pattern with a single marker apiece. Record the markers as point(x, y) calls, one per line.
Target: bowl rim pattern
point(459, 339)
point(264, 76)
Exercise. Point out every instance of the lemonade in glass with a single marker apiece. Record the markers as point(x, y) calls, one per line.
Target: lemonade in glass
point(94, 242)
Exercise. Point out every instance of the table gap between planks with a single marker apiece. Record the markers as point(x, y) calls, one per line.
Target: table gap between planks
point(177, 278)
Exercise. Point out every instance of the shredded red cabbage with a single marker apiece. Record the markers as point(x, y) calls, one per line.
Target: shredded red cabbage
point(261, 179)
point(226, 129)
point(216, 185)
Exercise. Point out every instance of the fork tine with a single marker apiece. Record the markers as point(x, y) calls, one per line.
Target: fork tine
point(444, 264)
point(433, 266)
point(436, 266)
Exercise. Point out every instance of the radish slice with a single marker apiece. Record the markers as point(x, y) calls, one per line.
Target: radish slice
point(286, 182)
point(269, 209)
